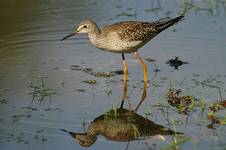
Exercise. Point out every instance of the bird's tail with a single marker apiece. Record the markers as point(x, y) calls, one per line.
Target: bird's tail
point(162, 25)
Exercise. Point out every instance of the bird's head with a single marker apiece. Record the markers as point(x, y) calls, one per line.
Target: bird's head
point(86, 26)
point(85, 139)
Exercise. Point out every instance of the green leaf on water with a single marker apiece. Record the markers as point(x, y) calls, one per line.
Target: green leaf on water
point(90, 81)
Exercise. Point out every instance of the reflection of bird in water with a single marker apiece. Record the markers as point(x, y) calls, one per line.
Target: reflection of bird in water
point(176, 62)
point(120, 125)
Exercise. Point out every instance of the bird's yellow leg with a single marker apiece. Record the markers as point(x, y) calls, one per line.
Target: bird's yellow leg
point(145, 70)
point(144, 95)
point(124, 78)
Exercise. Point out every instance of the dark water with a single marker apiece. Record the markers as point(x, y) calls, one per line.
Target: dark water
point(30, 48)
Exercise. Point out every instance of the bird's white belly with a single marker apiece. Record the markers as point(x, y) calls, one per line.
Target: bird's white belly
point(114, 44)
point(119, 46)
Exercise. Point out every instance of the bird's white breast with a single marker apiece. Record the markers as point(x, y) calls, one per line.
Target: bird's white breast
point(112, 42)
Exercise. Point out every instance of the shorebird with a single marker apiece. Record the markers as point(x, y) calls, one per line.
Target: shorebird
point(120, 125)
point(124, 37)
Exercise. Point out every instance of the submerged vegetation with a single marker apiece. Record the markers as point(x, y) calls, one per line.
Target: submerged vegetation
point(207, 7)
point(41, 91)
point(184, 104)
point(211, 7)
point(187, 104)
point(215, 115)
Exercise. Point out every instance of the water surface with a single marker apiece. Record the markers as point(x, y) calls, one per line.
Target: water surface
point(30, 49)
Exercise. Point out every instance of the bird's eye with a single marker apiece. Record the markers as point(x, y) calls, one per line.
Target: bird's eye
point(84, 26)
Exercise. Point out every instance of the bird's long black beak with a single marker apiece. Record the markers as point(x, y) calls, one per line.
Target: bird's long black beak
point(71, 133)
point(68, 36)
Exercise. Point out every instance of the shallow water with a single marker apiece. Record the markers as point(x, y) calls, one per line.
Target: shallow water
point(30, 48)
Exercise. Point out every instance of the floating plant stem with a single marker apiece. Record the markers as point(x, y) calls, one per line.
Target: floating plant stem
point(41, 91)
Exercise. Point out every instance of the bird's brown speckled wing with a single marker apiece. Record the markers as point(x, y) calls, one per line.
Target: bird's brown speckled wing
point(140, 31)
point(133, 30)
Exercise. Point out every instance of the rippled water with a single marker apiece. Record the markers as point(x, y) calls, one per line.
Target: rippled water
point(30, 48)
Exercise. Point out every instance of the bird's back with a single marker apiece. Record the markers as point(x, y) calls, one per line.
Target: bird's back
point(138, 30)
point(129, 36)
point(131, 30)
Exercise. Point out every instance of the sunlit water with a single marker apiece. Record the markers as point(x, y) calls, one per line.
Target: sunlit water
point(30, 48)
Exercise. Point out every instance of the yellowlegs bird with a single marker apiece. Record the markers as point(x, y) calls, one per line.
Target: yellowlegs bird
point(124, 37)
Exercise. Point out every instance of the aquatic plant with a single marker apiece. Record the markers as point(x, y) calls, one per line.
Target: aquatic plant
point(208, 7)
point(41, 91)
point(91, 82)
point(184, 104)
point(214, 116)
